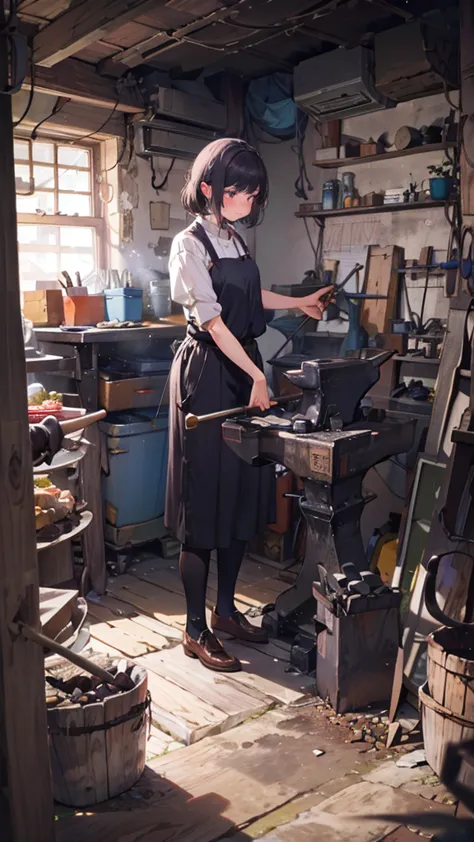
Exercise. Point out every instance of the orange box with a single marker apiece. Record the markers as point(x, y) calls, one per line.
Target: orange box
point(84, 309)
point(44, 307)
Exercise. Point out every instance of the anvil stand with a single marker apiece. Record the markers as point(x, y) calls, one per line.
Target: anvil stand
point(332, 514)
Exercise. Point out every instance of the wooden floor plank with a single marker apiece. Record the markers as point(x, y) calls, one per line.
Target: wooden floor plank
point(143, 637)
point(121, 641)
point(269, 675)
point(236, 702)
point(109, 608)
point(169, 608)
point(180, 713)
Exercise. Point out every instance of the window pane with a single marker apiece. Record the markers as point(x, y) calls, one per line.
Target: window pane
point(22, 171)
point(31, 204)
point(41, 234)
point(73, 237)
point(43, 152)
point(44, 177)
point(82, 263)
point(72, 204)
point(40, 266)
point(73, 156)
point(73, 180)
point(21, 149)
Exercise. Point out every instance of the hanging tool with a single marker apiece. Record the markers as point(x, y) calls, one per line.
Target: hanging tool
point(192, 421)
point(324, 300)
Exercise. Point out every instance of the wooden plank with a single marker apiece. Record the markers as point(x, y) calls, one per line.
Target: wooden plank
point(334, 163)
point(402, 206)
point(119, 608)
point(81, 25)
point(236, 703)
point(81, 83)
point(93, 539)
point(381, 278)
point(168, 607)
point(180, 712)
point(152, 641)
point(26, 808)
point(96, 751)
point(269, 675)
point(121, 641)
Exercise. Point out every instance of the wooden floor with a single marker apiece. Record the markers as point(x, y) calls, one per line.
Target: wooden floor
point(142, 616)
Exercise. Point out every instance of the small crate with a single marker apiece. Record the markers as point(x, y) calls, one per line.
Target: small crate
point(84, 309)
point(44, 307)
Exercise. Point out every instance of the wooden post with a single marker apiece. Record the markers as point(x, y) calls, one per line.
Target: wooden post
point(26, 807)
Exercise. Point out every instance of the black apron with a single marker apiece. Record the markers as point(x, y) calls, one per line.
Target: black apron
point(212, 496)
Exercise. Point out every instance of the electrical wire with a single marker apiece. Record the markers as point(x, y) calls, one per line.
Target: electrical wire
point(162, 184)
point(32, 88)
point(57, 108)
point(91, 134)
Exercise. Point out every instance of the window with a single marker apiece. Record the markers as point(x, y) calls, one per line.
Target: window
point(57, 226)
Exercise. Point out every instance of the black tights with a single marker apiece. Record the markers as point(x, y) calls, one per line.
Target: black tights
point(194, 569)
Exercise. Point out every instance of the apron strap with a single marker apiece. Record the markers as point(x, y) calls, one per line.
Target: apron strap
point(198, 231)
point(241, 241)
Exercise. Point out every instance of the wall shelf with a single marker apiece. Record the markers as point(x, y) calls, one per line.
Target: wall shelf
point(402, 206)
point(335, 163)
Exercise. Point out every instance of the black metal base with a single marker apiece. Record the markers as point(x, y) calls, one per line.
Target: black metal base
point(303, 654)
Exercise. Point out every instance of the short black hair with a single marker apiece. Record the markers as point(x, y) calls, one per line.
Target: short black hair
point(227, 162)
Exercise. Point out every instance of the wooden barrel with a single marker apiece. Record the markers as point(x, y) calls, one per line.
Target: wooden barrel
point(447, 699)
point(98, 751)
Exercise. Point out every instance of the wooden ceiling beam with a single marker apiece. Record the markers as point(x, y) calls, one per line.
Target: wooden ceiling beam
point(80, 82)
point(82, 25)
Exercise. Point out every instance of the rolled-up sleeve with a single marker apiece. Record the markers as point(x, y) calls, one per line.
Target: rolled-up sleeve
point(191, 284)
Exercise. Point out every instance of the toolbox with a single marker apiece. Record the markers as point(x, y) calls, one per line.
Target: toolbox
point(118, 391)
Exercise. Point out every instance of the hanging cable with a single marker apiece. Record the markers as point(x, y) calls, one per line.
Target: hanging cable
point(57, 108)
point(163, 184)
point(91, 134)
point(32, 87)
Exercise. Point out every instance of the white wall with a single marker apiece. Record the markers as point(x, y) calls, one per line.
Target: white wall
point(283, 250)
point(136, 194)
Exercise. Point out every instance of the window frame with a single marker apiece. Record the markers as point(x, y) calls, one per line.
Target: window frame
point(95, 221)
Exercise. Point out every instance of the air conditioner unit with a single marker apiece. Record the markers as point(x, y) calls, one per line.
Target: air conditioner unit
point(338, 84)
point(173, 139)
point(171, 104)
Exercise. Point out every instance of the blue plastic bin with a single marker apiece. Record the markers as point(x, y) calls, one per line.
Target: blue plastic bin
point(137, 448)
point(125, 305)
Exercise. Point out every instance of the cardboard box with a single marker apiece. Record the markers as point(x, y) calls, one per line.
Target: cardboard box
point(44, 307)
point(84, 309)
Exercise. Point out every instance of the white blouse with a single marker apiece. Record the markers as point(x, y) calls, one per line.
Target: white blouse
point(189, 264)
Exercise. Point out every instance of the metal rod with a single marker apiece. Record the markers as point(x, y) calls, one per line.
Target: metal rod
point(192, 421)
point(84, 663)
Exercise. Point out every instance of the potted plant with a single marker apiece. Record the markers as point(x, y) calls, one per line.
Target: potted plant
point(441, 181)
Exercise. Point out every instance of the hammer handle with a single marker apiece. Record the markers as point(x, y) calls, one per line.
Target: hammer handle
point(193, 420)
point(74, 424)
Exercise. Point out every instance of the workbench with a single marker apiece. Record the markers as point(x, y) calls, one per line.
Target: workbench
point(82, 350)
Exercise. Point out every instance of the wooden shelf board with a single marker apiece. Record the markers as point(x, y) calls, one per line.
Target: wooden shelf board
point(336, 163)
point(402, 206)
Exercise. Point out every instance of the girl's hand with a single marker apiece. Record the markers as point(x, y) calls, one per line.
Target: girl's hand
point(312, 304)
point(259, 395)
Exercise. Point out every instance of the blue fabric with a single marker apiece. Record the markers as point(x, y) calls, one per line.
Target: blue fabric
point(270, 104)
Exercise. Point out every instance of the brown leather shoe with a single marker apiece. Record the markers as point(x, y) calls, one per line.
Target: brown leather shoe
point(238, 626)
point(210, 652)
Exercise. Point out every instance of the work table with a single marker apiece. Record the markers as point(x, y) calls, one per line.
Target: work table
point(172, 328)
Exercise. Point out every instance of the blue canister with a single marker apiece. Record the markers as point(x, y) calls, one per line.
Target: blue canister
point(331, 191)
point(124, 305)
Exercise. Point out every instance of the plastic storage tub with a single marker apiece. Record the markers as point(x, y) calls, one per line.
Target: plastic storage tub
point(124, 305)
point(137, 451)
